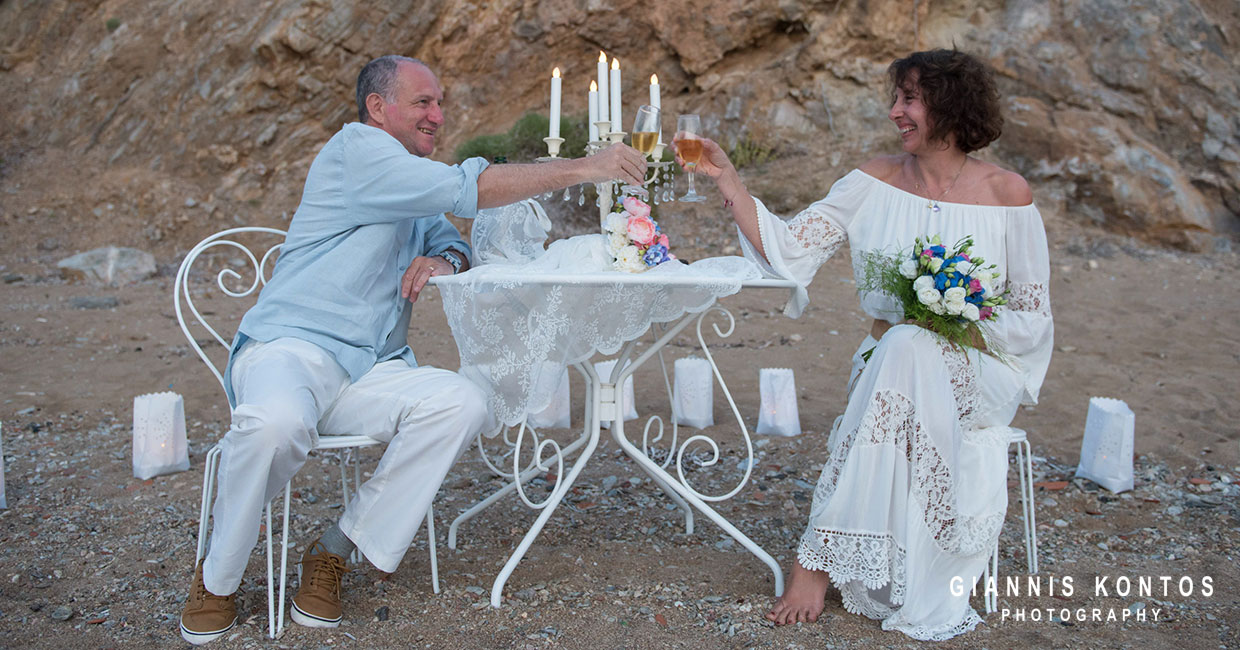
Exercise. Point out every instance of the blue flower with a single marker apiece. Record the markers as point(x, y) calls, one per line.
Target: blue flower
point(941, 282)
point(655, 255)
point(938, 250)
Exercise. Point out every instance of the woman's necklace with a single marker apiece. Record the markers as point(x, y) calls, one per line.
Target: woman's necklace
point(932, 203)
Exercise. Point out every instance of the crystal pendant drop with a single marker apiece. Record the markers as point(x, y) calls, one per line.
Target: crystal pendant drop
point(566, 193)
point(581, 200)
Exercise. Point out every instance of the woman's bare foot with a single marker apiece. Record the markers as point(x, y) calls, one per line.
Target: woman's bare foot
point(804, 599)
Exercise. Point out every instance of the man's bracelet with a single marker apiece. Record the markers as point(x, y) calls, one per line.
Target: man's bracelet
point(453, 260)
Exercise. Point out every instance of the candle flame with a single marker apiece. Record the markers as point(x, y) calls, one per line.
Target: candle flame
point(615, 64)
point(556, 73)
point(654, 80)
point(593, 86)
point(602, 58)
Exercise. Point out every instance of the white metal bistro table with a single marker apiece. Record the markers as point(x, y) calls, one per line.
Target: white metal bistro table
point(604, 402)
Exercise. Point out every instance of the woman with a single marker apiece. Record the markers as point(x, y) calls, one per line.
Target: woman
point(914, 491)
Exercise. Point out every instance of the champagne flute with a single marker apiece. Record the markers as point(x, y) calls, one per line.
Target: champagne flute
point(688, 128)
point(646, 129)
point(645, 137)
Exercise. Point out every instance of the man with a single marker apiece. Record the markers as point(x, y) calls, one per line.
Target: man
point(324, 346)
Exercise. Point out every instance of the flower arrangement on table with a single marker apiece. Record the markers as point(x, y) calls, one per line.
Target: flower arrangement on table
point(948, 291)
point(634, 239)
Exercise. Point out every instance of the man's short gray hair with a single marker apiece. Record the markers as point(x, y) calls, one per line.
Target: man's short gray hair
point(379, 76)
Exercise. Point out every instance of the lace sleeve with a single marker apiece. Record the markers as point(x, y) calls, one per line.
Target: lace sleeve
point(818, 235)
point(1032, 297)
point(795, 249)
point(1024, 328)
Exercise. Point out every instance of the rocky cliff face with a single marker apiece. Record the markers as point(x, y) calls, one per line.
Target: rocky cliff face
point(153, 123)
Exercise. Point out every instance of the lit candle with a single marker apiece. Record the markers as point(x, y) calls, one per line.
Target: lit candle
point(615, 96)
point(555, 103)
point(654, 101)
point(593, 112)
point(602, 87)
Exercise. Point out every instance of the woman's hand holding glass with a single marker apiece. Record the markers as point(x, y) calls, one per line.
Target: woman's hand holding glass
point(713, 161)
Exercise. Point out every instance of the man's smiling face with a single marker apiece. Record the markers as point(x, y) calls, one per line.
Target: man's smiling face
point(416, 112)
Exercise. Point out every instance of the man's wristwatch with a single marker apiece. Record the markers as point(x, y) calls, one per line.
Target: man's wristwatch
point(453, 260)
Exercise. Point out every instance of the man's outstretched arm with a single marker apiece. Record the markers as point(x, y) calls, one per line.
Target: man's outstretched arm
point(503, 184)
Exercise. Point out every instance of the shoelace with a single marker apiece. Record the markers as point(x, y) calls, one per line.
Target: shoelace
point(326, 568)
point(202, 594)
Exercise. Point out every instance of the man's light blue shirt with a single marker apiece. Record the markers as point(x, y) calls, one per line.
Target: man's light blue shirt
point(369, 207)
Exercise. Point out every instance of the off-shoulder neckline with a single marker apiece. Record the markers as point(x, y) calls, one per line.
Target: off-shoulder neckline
point(897, 190)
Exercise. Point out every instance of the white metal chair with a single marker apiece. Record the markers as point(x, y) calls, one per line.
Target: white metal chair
point(1024, 462)
point(183, 300)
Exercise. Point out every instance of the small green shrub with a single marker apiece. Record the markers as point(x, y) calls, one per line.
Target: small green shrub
point(486, 146)
point(112, 24)
point(524, 141)
point(750, 151)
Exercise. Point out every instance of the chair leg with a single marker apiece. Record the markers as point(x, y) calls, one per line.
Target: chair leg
point(1031, 524)
point(208, 496)
point(271, 585)
point(430, 544)
point(992, 595)
point(288, 495)
point(350, 457)
point(1025, 499)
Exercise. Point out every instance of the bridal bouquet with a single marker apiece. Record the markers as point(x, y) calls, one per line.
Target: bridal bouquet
point(634, 239)
point(949, 291)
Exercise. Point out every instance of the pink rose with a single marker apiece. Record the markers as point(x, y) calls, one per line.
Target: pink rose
point(635, 207)
point(663, 241)
point(975, 285)
point(984, 313)
point(641, 229)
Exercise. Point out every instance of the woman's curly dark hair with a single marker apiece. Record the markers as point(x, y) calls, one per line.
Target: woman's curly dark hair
point(959, 92)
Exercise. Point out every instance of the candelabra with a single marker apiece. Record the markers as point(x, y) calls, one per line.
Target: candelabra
point(611, 191)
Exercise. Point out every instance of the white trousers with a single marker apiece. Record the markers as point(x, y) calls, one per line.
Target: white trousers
point(288, 391)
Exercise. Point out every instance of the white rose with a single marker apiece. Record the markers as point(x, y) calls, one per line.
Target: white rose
point(937, 307)
point(929, 296)
point(615, 223)
point(954, 294)
point(908, 268)
point(629, 260)
point(936, 263)
point(923, 283)
point(971, 312)
point(617, 241)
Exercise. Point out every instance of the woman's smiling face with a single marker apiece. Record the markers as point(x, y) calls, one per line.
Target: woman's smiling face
point(911, 117)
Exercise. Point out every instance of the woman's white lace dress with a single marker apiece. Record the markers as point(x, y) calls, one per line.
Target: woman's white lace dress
point(914, 492)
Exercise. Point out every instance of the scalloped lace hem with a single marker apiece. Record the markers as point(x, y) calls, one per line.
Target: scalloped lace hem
point(874, 560)
point(938, 633)
point(861, 562)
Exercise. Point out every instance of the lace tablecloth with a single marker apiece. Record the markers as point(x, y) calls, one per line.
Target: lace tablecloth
point(517, 326)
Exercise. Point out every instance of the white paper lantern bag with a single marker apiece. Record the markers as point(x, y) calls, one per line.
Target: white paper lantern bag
point(777, 413)
point(693, 392)
point(1107, 448)
point(558, 414)
point(604, 368)
point(159, 445)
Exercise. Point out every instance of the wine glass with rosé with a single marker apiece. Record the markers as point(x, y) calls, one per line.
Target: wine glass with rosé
point(689, 148)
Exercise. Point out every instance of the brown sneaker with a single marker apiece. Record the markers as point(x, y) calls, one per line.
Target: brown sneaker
point(317, 603)
point(206, 616)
